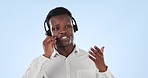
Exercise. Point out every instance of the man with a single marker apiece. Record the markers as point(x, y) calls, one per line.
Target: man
point(62, 58)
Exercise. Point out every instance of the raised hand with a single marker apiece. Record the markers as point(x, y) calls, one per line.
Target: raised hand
point(48, 45)
point(96, 55)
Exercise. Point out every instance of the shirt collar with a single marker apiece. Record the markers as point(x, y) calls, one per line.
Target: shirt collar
point(56, 53)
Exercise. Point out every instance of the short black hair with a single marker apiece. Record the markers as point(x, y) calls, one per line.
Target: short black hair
point(58, 11)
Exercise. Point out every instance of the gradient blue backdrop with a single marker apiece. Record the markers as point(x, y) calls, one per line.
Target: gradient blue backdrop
point(119, 25)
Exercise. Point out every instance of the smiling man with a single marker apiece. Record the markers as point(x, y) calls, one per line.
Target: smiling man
point(62, 58)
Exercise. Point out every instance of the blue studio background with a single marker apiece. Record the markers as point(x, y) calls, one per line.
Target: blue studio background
point(119, 25)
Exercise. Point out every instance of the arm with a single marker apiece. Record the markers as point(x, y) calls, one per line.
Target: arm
point(35, 67)
point(96, 55)
point(106, 74)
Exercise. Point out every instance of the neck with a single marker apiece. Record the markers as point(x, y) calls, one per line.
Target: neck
point(65, 50)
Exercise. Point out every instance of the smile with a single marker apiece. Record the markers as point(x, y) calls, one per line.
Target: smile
point(64, 38)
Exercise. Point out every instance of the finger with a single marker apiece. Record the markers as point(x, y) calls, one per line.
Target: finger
point(93, 54)
point(97, 57)
point(102, 49)
point(94, 51)
point(99, 51)
point(49, 39)
point(45, 40)
point(53, 44)
point(93, 59)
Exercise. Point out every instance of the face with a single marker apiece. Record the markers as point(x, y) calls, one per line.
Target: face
point(62, 28)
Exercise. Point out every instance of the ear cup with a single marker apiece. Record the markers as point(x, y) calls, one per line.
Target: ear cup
point(75, 28)
point(48, 33)
point(47, 28)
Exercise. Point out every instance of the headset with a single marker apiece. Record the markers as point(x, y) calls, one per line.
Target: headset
point(55, 12)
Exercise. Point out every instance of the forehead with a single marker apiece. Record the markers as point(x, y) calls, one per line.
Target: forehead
point(60, 18)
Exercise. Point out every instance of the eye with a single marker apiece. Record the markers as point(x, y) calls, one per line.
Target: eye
point(55, 29)
point(68, 26)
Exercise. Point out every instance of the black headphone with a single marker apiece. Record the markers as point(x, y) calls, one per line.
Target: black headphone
point(55, 12)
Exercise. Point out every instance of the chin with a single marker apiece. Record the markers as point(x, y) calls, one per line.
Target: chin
point(65, 44)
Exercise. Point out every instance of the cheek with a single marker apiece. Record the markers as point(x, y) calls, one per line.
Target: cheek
point(72, 36)
point(54, 33)
point(71, 31)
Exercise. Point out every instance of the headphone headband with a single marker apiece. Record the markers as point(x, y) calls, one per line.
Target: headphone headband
point(55, 12)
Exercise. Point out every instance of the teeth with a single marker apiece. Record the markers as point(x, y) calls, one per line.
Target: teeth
point(64, 37)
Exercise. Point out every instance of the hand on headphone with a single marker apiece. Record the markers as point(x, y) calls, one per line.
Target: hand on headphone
point(48, 45)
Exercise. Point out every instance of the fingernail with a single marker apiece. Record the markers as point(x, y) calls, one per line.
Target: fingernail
point(95, 46)
point(89, 51)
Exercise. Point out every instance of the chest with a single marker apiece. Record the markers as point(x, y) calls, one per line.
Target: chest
point(78, 67)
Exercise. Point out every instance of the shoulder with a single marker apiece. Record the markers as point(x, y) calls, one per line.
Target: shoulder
point(82, 52)
point(39, 59)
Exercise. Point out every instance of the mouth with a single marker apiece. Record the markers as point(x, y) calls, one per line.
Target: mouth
point(64, 38)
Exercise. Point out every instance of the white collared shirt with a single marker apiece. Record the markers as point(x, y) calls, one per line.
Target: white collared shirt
point(76, 65)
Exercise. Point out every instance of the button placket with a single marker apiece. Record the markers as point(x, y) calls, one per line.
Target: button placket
point(67, 68)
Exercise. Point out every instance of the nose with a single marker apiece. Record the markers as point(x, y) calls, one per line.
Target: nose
point(63, 31)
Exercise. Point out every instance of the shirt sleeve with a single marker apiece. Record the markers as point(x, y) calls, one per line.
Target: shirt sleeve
point(106, 74)
point(35, 67)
